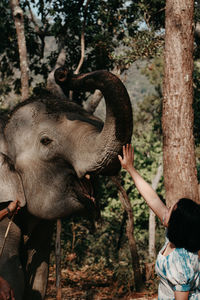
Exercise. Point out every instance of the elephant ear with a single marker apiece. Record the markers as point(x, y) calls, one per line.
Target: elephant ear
point(11, 187)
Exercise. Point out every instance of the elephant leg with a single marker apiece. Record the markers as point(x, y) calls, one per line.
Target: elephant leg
point(10, 264)
point(38, 251)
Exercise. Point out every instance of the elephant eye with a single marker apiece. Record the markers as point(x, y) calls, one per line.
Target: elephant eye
point(45, 141)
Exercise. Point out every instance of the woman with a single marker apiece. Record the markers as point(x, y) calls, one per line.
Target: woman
point(178, 264)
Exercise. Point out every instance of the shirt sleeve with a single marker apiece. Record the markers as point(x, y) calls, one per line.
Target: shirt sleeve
point(180, 271)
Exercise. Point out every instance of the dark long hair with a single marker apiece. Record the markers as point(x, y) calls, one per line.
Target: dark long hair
point(184, 225)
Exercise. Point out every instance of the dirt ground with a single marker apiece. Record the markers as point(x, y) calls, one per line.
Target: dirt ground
point(84, 285)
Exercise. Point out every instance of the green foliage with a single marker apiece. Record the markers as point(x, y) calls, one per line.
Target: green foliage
point(4, 89)
point(8, 46)
point(108, 25)
point(143, 44)
point(154, 72)
point(153, 12)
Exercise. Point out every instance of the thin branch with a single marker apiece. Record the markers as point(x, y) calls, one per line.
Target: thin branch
point(82, 39)
point(40, 32)
point(32, 19)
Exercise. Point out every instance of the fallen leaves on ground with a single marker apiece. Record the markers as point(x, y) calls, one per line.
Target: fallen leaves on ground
point(85, 284)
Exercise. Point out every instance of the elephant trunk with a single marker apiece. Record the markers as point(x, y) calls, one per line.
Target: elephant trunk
point(118, 125)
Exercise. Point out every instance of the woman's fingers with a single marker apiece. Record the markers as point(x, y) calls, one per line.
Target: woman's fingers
point(124, 150)
point(12, 295)
point(120, 158)
point(3, 296)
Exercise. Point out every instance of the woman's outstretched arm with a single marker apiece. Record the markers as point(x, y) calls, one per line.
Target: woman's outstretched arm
point(147, 192)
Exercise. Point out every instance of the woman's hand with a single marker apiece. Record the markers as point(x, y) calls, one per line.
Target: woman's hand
point(14, 206)
point(128, 157)
point(6, 293)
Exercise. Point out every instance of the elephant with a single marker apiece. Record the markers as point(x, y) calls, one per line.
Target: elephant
point(52, 146)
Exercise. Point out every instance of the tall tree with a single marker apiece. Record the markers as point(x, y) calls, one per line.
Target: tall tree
point(178, 150)
point(19, 24)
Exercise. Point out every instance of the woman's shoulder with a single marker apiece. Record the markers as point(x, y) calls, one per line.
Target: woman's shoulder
point(186, 260)
point(183, 253)
point(183, 268)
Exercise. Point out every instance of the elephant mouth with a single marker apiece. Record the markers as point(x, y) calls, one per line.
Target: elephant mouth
point(85, 194)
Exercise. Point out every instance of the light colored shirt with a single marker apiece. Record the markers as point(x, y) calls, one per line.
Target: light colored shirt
point(178, 271)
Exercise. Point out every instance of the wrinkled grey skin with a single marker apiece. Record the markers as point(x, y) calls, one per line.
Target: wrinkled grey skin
point(53, 145)
point(10, 264)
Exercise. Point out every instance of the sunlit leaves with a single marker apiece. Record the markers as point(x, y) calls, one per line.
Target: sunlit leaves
point(108, 24)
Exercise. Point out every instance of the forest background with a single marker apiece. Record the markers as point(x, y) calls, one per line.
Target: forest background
point(126, 38)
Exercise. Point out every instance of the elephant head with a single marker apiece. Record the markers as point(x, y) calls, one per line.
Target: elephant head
point(54, 144)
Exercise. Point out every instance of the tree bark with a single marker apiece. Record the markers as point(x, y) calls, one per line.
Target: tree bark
point(19, 24)
point(178, 142)
point(94, 101)
point(130, 234)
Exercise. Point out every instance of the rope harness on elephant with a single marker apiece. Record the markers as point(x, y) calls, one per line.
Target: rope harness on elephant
point(6, 234)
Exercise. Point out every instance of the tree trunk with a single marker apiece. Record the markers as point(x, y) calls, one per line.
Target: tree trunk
point(94, 101)
point(19, 24)
point(178, 142)
point(130, 234)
